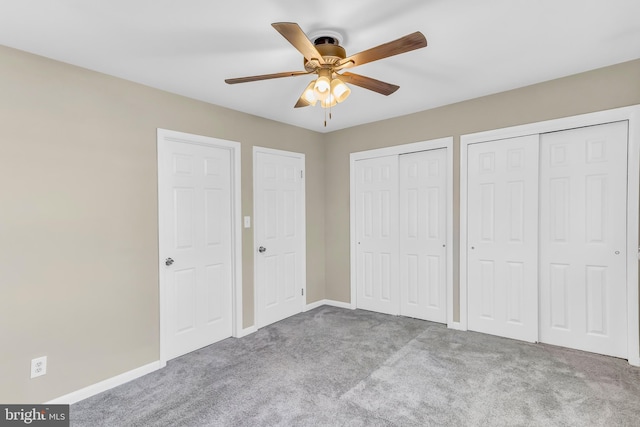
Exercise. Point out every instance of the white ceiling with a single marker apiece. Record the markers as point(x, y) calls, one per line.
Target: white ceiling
point(189, 47)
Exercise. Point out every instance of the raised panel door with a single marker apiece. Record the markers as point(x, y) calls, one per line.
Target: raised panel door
point(583, 238)
point(197, 205)
point(279, 234)
point(502, 288)
point(422, 230)
point(377, 234)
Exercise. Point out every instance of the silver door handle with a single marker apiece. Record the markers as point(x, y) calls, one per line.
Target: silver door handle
point(168, 261)
point(262, 249)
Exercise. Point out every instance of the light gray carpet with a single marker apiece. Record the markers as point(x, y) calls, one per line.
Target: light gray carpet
point(331, 367)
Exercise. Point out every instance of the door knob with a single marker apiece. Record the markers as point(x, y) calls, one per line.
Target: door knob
point(168, 261)
point(262, 249)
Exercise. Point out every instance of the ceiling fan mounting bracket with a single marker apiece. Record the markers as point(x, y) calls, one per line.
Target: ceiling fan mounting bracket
point(317, 37)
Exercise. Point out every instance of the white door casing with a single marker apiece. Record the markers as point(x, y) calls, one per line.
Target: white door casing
point(279, 234)
point(502, 237)
point(583, 180)
point(377, 234)
point(423, 234)
point(198, 241)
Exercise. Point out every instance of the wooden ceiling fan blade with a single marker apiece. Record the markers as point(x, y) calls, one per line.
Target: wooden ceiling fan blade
point(265, 77)
point(294, 34)
point(301, 103)
point(404, 44)
point(369, 83)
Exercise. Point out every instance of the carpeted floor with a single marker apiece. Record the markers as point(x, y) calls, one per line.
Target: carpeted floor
point(332, 367)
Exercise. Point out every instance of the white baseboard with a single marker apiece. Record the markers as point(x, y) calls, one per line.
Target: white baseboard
point(634, 361)
point(339, 304)
point(246, 331)
point(314, 305)
point(105, 385)
point(329, 302)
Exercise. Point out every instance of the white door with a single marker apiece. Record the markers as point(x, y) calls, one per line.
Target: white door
point(423, 226)
point(583, 187)
point(195, 218)
point(502, 264)
point(279, 211)
point(377, 234)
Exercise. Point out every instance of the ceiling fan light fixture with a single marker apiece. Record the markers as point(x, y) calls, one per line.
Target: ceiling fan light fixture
point(339, 90)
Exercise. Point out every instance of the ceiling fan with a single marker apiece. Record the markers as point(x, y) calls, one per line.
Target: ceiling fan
point(326, 58)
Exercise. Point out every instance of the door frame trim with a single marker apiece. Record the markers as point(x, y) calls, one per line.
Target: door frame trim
point(630, 114)
point(398, 150)
point(164, 135)
point(303, 243)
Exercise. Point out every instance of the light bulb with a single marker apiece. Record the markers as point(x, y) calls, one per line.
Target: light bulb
point(339, 90)
point(322, 88)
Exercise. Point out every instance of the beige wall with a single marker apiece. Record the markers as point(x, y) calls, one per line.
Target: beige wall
point(601, 89)
point(78, 207)
point(78, 218)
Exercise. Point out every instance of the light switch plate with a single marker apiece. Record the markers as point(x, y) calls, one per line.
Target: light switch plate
point(247, 222)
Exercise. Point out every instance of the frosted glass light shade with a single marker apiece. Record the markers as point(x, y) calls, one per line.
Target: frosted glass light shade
point(309, 94)
point(339, 90)
point(330, 101)
point(322, 88)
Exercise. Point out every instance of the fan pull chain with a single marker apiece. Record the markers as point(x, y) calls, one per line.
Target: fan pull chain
point(330, 111)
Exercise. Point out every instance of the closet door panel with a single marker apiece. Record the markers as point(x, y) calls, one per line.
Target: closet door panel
point(502, 253)
point(377, 234)
point(423, 225)
point(583, 238)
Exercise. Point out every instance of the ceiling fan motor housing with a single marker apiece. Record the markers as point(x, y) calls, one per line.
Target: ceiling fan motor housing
point(330, 50)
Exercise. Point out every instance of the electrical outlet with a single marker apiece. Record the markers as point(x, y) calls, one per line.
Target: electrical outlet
point(38, 366)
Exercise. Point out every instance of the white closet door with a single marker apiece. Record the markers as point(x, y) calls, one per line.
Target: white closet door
point(502, 284)
point(583, 238)
point(377, 234)
point(423, 226)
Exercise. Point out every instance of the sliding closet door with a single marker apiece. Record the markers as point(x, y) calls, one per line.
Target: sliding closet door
point(377, 234)
point(583, 186)
point(423, 225)
point(502, 212)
